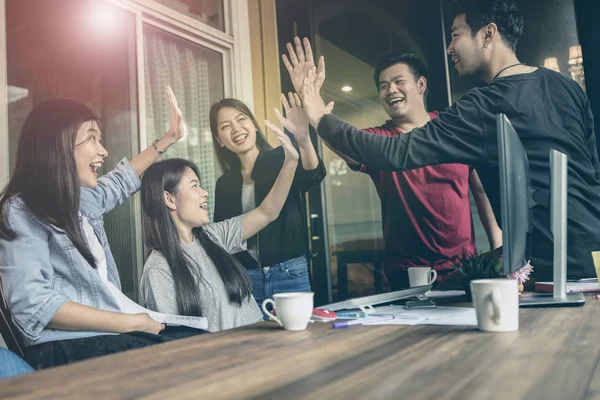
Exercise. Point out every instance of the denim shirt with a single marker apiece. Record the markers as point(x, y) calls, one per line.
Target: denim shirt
point(41, 269)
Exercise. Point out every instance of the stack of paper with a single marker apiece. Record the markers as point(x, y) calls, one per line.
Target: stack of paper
point(130, 307)
point(399, 315)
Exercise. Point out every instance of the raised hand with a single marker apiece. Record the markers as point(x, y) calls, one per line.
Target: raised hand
point(295, 119)
point(176, 126)
point(301, 63)
point(291, 154)
point(314, 106)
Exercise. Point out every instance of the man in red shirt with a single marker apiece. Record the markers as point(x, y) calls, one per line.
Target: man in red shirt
point(426, 212)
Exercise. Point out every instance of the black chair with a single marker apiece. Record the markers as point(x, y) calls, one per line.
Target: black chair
point(8, 330)
point(346, 257)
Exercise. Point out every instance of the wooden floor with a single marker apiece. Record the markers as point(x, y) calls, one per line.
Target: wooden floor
point(554, 355)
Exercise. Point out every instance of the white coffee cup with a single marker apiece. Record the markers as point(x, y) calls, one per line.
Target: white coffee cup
point(421, 276)
point(496, 304)
point(293, 309)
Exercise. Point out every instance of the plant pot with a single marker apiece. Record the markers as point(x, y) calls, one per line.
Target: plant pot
point(467, 287)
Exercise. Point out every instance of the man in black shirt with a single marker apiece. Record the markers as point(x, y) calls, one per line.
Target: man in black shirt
point(548, 111)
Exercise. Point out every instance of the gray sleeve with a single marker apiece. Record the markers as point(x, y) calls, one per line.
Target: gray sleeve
point(589, 118)
point(228, 234)
point(457, 135)
point(158, 288)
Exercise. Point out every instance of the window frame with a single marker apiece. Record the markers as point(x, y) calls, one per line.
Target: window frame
point(233, 45)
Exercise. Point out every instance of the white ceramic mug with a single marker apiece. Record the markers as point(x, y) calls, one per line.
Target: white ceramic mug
point(421, 276)
point(293, 309)
point(496, 304)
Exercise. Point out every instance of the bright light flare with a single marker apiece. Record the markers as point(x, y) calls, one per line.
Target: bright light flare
point(103, 17)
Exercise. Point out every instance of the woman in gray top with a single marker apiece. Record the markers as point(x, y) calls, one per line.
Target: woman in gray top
point(191, 270)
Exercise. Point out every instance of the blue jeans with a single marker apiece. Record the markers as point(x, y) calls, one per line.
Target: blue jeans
point(285, 277)
point(11, 364)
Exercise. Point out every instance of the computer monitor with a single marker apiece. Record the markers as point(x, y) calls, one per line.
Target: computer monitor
point(515, 206)
point(515, 197)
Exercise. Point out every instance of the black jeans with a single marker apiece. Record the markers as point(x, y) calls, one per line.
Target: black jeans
point(61, 352)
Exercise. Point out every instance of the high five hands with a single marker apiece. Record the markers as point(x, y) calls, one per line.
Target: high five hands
point(295, 119)
point(291, 154)
point(301, 63)
point(176, 125)
point(307, 79)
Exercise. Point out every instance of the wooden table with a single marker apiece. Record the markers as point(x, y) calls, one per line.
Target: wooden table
point(554, 355)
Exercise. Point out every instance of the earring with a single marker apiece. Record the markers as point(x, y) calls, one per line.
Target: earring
point(485, 46)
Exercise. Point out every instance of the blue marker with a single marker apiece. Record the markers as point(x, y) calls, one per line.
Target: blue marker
point(352, 315)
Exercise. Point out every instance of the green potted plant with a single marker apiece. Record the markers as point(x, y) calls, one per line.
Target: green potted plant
point(487, 266)
point(478, 266)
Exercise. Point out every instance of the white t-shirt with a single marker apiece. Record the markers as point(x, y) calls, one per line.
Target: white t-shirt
point(96, 249)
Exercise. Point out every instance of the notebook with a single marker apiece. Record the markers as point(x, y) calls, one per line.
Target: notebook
point(572, 287)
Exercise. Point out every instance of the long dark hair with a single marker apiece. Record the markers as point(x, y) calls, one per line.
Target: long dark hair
point(228, 160)
point(45, 175)
point(160, 233)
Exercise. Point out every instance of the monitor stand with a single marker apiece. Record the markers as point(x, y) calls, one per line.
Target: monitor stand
point(558, 209)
